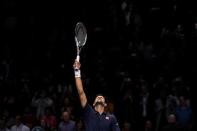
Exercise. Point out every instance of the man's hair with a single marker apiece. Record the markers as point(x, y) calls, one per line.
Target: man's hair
point(65, 110)
point(99, 94)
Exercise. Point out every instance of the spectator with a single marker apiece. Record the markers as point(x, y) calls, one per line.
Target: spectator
point(171, 104)
point(148, 126)
point(80, 125)
point(66, 124)
point(184, 114)
point(38, 126)
point(19, 126)
point(29, 117)
point(67, 105)
point(126, 126)
point(3, 126)
point(41, 103)
point(172, 124)
point(160, 99)
point(49, 120)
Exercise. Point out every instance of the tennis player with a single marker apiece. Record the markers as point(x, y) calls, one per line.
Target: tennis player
point(95, 118)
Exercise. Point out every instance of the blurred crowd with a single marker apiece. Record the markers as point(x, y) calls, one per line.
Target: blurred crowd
point(140, 103)
point(140, 55)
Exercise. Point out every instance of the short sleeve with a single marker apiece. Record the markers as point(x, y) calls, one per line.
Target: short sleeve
point(114, 124)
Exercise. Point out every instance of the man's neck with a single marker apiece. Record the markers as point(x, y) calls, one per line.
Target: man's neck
point(67, 121)
point(19, 124)
point(100, 109)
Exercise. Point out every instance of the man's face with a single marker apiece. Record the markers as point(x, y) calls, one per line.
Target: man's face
point(183, 102)
point(99, 100)
point(66, 116)
point(148, 124)
point(18, 120)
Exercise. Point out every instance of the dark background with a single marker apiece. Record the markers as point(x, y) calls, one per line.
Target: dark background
point(37, 43)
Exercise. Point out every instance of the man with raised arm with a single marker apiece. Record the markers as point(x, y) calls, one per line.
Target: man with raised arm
point(95, 118)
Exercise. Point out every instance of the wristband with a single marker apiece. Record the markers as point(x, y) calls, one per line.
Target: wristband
point(77, 73)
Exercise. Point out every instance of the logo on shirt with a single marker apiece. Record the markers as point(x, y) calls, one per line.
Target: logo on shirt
point(107, 118)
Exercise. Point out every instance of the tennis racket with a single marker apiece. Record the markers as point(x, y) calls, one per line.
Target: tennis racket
point(80, 38)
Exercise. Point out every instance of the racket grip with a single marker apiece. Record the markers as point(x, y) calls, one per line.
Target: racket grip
point(78, 58)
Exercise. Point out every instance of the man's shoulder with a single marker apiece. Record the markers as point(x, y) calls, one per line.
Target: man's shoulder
point(170, 127)
point(25, 127)
point(37, 128)
point(22, 126)
point(87, 108)
point(72, 122)
point(60, 123)
point(111, 115)
point(13, 127)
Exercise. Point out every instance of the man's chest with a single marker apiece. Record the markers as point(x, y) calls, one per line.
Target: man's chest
point(101, 122)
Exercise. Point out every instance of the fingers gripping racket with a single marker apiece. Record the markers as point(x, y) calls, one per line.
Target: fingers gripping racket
point(80, 37)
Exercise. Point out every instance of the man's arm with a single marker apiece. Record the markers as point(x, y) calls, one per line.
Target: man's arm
point(79, 85)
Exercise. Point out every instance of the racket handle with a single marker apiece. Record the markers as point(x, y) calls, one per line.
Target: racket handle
point(78, 58)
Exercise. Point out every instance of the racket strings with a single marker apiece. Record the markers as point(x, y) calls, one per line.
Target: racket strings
point(80, 37)
point(81, 34)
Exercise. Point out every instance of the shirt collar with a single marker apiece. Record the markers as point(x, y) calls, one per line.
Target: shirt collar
point(19, 125)
point(104, 113)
